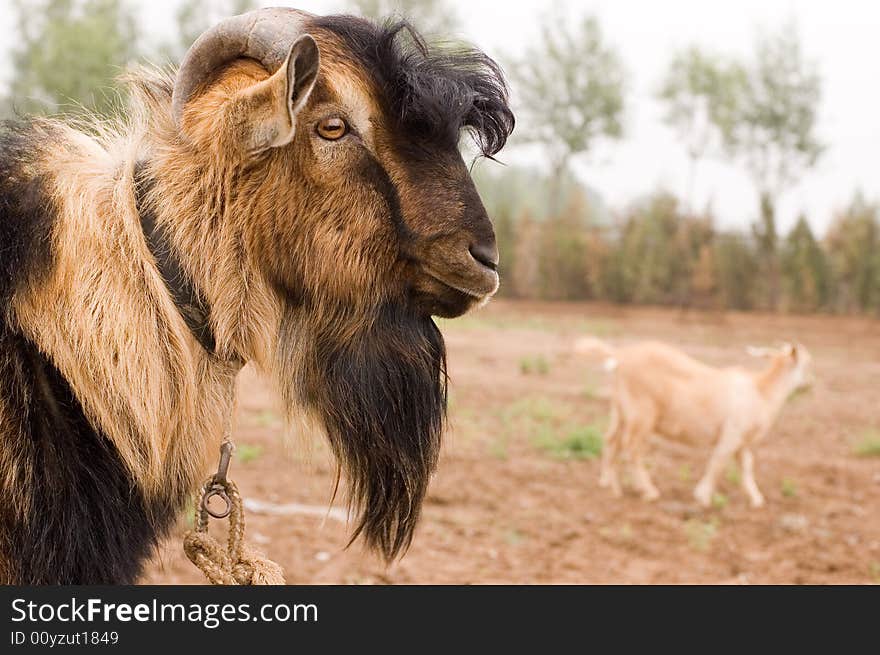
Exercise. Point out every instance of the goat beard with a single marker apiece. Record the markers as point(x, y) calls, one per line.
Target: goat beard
point(379, 389)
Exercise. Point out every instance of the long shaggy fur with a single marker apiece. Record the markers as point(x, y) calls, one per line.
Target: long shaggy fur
point(107, 412)
point(26, 217)
point(67, 492)
point(308, 265)
point(380, 394)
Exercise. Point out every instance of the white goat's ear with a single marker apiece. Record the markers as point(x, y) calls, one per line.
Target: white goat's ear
point(271, 107)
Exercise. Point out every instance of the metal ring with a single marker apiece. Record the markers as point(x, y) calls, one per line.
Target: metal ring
point(222, 494)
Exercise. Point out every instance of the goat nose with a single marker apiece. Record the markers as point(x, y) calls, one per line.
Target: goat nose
point(486, 254)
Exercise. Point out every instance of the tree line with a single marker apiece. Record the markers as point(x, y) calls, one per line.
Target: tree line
point(658, 253)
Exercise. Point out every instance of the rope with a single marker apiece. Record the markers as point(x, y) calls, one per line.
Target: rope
point(237, 564)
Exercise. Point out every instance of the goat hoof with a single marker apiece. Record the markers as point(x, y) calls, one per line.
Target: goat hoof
point(703, 497)
point(612, 483)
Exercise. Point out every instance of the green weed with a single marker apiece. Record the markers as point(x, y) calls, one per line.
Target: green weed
point(733, 475)
point(869, 444)
point(537, 365)
point(789, 488)
point(247, 452)
point(579, 443)
point(719, 500)
point(700, 534)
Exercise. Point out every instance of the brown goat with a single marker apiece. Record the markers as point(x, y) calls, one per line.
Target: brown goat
point(295, 198)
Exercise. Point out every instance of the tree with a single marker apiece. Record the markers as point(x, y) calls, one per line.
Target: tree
point(195, 16)
point(655, 253)
point(700, 93)
point(736, 270)
point(695, 284)
point(571, 88)
point(853, 245)
point(70, 53)
point(505, 237)
point(805, 271)
point(523, 280)
point(773, 133)
point(703, 284)
point(767, 249)
point(434, 18)
point(563, 272)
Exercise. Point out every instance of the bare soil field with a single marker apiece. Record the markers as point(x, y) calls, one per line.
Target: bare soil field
point(516, 500)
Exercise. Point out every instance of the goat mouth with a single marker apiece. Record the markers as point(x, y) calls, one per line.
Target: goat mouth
point(466, 289)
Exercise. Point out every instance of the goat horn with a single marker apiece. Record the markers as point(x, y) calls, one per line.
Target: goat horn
point(264, 35)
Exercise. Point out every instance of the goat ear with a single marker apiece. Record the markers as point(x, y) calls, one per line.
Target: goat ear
point(273, 104)
point(302, 71)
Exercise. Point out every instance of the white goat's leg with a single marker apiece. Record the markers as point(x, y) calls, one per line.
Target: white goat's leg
point(747, 463)
point(607, 469)
point(730, 442)
point(641, 477)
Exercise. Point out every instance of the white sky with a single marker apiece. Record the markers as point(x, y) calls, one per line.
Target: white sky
point(843, 37)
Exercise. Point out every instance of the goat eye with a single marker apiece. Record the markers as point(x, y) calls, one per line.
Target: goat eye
point(332, 128)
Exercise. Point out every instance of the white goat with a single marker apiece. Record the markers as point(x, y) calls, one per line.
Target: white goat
point(660, 390)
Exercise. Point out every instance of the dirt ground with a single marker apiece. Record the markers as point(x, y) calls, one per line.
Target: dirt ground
point(516, 500)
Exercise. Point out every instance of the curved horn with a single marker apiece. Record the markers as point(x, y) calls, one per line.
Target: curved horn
point(265, 35)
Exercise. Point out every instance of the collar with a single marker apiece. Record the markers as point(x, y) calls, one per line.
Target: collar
point(188, 299)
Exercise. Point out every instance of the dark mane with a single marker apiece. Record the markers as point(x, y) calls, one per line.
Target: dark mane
point(432, 92)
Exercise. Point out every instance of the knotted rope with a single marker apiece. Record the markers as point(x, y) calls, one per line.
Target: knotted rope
point(237, 564)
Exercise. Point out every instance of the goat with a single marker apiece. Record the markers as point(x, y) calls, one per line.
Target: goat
point(294, 198)
point(660, 390)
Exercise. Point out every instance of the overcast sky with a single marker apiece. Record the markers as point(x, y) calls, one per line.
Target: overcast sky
point(843, 37)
